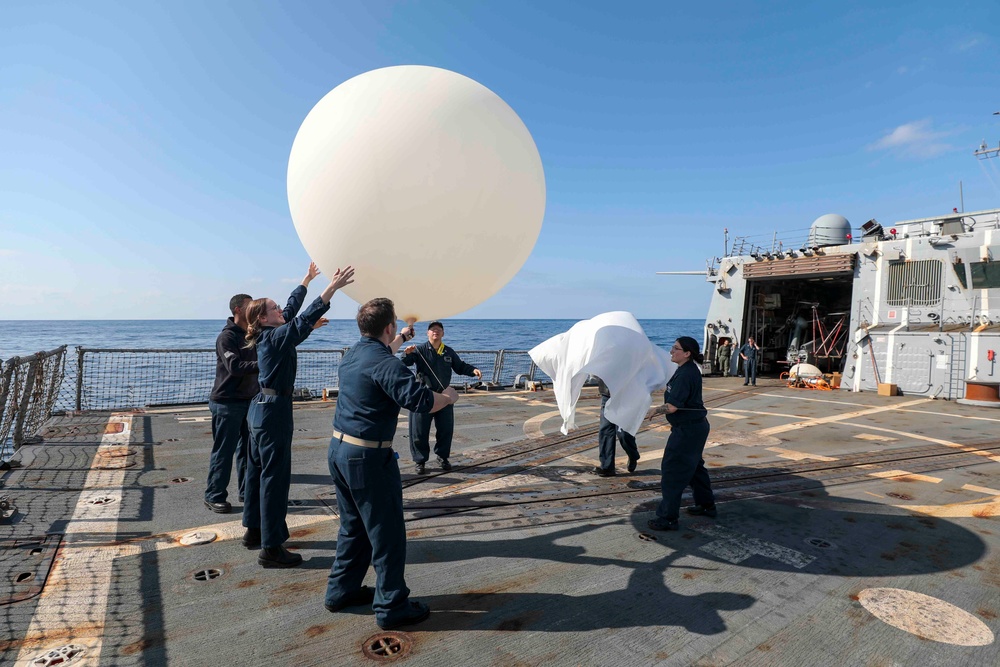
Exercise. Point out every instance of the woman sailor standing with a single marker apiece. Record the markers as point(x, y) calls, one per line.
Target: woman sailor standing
point(682, 458)
point(270, 416)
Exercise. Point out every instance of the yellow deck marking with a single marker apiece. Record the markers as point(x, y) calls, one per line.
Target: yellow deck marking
point(798, 456)
point(889, 474)
point(981, 489)
point(956, 511)
point(832, 419)
point(533, 426)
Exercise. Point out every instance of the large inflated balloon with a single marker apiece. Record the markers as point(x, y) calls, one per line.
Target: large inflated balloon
point(422, 179)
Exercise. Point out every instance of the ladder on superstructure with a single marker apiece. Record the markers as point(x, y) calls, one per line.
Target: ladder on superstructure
point(956, 374)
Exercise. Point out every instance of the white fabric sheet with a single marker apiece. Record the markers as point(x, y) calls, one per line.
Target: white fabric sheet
point(614, 347)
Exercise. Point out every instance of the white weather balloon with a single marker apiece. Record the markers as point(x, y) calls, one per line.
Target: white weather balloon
point(422, 179)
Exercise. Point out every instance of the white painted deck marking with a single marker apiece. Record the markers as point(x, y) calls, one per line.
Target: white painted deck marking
point(74, 601)
point(981, 489)
point(889, 474)
point(875, 437)
point(790, 397)
point(798, 456)
point(726, 415)
point(925, 616)
point(734, 547)
point(191, 420)
point(774, 430)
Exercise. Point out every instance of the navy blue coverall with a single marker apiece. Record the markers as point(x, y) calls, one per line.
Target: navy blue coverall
point(434, 371)
point(269, 468)
point(235, 385)
point(750, 364)
point(609, 433)
point(373, 385)
point(683, 464)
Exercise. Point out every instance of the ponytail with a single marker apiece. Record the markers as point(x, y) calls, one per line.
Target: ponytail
point(689, 344)
point(254, 311)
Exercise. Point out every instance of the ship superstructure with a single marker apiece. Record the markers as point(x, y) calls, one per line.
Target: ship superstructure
point(915, 304)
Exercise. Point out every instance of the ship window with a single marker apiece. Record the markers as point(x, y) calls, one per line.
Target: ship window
point(960, 273)
point(916, 283)
point(985, 274)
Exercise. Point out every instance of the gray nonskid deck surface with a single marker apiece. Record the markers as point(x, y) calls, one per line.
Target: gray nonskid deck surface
point(525, 557)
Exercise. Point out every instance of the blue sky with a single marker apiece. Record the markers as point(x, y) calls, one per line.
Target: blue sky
point(143, 147)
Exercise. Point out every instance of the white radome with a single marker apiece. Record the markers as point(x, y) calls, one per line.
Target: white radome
point(422, 179)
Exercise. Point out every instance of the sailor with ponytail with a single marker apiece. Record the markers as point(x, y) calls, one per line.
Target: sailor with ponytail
point(276, 334)
point(682, 464)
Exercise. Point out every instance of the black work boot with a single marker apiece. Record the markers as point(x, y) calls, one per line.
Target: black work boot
point(417, 612)
point(251, 538)
point(445, 464)
point(219, 508)
point(278, 557)
point(702, 510)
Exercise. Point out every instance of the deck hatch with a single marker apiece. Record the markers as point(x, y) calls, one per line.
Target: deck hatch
point(26, 566)
point(812, 267)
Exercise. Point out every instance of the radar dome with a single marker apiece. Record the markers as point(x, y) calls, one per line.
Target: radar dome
point(829, 229)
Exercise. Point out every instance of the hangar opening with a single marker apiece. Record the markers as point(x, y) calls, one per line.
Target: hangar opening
point(799, 311)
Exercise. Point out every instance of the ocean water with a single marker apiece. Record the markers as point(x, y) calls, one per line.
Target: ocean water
point(22, 337)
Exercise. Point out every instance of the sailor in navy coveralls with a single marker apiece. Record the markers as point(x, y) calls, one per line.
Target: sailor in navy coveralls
point(275, 335)
point(434, 363)
point(374, 384)
point(682, 464)
point(235, 385)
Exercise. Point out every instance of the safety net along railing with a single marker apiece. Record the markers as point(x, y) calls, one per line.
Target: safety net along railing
point(29, 388)
point(117, 379)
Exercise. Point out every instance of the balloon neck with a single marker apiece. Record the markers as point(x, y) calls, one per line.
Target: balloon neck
point(410, 320)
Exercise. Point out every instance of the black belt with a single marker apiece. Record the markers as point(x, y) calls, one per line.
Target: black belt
point(275, 392)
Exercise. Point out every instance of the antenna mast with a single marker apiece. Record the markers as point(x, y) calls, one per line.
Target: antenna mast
point(986, 152)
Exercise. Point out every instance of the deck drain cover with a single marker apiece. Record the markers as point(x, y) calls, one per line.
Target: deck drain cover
point(820, 543)
point(386, 646)
point(646, 537)
point(180, 480)
point(102, 500)
point(295, 502)
point(108, 463)
point(64, 655)
point(900, 496)
point(111, 452)
point(208, 575)
point(198, 537)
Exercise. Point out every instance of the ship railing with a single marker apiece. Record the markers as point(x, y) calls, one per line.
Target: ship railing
point(779, 243)
point(29, 389)
point(123, 378)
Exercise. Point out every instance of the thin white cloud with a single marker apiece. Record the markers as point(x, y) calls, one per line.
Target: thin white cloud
point(970, 43)
point(917, 139)
point(7, 252)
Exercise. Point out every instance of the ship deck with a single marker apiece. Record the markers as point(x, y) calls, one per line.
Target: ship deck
point(853, 529)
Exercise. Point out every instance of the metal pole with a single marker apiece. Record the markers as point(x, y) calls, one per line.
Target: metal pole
point(961, 197)
point(79, 379)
